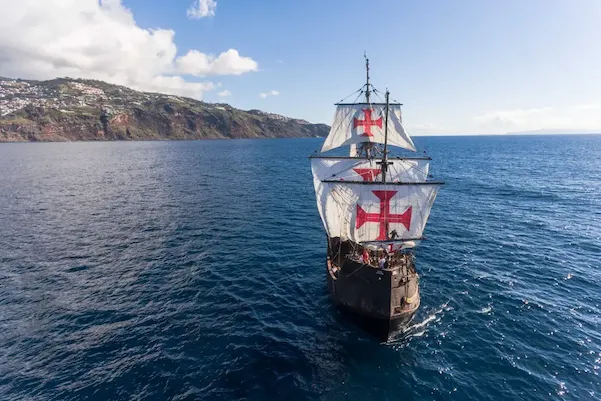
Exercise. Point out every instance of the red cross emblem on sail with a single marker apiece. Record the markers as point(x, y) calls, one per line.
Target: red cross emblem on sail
point(368, 174)
point(367, 123)
point(384, 217)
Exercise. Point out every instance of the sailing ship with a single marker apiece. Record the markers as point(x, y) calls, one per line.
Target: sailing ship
point(374, 207)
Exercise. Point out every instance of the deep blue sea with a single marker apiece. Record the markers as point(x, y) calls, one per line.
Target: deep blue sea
point(195, 271)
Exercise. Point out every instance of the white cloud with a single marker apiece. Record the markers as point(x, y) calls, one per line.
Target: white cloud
point(224, 93)
point(270, 93)
point(227, 63)
point(202, 8)
point(583, 117)
point(101, 40)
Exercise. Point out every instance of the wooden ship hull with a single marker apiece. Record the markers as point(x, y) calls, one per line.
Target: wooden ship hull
point(381, 301)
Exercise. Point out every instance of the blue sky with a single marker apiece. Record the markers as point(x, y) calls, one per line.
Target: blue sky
point(462, 66)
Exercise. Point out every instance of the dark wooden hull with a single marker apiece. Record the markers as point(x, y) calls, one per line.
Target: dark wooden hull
point(381, 301)
point(382, 329)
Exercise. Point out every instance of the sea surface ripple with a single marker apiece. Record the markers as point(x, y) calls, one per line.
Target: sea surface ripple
point(195, 270)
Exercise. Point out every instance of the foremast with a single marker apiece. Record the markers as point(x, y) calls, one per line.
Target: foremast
point(384, 163)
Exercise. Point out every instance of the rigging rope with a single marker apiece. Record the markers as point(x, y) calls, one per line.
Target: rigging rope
point(377, 93)
point(360, 90)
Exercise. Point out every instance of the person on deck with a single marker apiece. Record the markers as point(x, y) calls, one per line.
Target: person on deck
point(365, 256)
point(382, 262)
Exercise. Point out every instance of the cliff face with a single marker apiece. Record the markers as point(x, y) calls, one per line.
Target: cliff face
point(83, 110)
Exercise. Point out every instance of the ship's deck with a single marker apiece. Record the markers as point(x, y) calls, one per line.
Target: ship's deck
point(395, 260)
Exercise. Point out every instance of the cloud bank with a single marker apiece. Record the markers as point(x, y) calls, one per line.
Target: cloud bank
point(227, 63)
point(101, 40)
point(584, 117)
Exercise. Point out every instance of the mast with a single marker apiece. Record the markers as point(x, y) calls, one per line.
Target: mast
point(366, 146)
point(367, 90)
point(360, 125)
point(385, 163)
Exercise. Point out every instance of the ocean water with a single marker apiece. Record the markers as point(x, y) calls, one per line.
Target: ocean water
point(195, 271)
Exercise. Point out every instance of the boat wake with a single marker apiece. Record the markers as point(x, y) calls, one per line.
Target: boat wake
point(418, 329)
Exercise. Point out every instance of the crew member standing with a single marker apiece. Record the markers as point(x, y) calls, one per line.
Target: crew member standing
point(365, 256)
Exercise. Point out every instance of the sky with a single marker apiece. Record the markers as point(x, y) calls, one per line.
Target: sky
point(459, 67)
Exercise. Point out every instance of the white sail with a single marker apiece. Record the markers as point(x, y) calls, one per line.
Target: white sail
point(365, 213)
point(345, 169)
point(357, 123)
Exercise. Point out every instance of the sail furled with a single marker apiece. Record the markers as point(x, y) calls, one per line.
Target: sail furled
point(370, 212)
point(357, 123)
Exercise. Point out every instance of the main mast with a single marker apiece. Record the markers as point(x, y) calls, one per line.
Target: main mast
point(366, 147)
point(367, 89)
point(385, 161)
